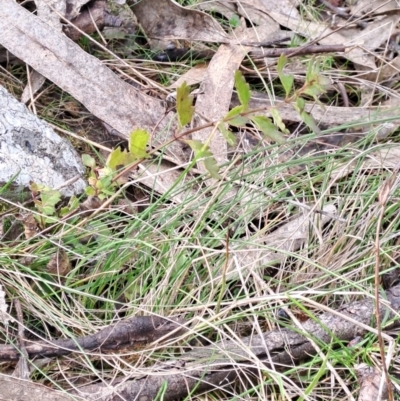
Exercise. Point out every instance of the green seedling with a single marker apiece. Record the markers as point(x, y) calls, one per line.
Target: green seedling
point(45, 200)
point(103, 181)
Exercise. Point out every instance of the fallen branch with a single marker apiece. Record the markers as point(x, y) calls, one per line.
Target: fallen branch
point(13, 389)
point(213, 367)
point(126, 333)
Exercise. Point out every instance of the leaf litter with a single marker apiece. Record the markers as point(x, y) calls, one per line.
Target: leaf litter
point(289, 195)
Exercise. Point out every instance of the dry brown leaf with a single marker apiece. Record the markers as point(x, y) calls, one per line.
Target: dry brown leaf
point(216, 90)
point(166, 20)
point(226, 9)
point(15, 389)
point(49, 11)
point(314, 31)
point(274, 248)
point(63, 62)
point(370, 378)
point(382, 159)
point(161, 177)
point(192, 77)
point(254, 9)
point(4, 319)
point(361, 7)
point(30, 225)
point(59, 264)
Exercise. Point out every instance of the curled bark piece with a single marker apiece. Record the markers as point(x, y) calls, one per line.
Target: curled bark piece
point(130, 332)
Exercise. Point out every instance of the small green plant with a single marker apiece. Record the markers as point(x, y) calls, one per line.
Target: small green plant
point(241, 116)
point(103, 181)
point(315, 85)
point(46, 200)
point(234, 21)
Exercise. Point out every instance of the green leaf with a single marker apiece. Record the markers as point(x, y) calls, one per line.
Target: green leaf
point(239, 121)
point(307, 118)
point(212, 167)
point(73, 204)
point(234, 118)
point(90, 191)
point(119, 157)
point(286, 80)
point(88, 161)
point(243, 90)
point(278, 120)
point(47, 210)
point(268, 128)
point(203, 152)
point(234, 21)
point(196, 145)
point(138, 141)
point(316, 84)
point(310, 122)
point(184, 105)
point(227, 134)
point(234, 112)
point(50, 197)
point(300, 105)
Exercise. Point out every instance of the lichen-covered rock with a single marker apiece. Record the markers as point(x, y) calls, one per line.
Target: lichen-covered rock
point(31, 151)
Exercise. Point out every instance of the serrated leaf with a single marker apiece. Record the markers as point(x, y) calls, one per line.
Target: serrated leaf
point(47, 210)
point(268, 128)
point(243, 90)
point(234, 118)
point(184, 105)
point(286, 80)
point(88, 161)
point(50, 197)
point(227, 134)
point(138, 141)
point(38, 187)
point(233, 112)
point(278, 120)
point(119, 157)
point(310, 122)
point(203, 152)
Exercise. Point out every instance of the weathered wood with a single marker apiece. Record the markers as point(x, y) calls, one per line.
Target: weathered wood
point(31, 151)
point(13, 389)
point(216, 366)
point(126, 333)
